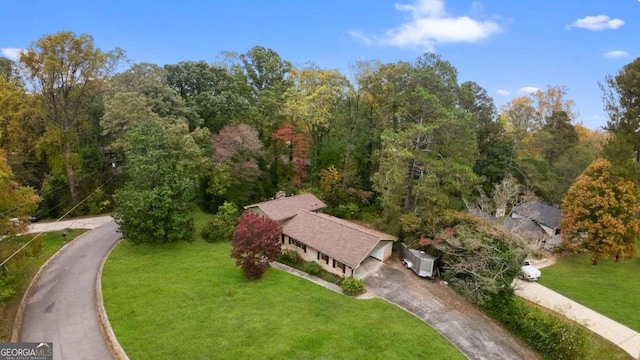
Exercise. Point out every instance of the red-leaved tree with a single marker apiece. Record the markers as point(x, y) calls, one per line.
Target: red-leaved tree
point(255, 243)
point(298, 145)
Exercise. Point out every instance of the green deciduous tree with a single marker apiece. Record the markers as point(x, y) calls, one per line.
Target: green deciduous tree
point(155, 203)
point(263, 79)
point(67, 72)
point(256, 242)
point(209, 91)
point(600, 214)
point(222, 225)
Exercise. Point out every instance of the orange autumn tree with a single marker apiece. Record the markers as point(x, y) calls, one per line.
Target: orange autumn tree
point(600, 214)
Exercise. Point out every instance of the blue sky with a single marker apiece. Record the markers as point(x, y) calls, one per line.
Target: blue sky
point(506, 46)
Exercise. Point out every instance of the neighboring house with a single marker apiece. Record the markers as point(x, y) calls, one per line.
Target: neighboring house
point(337, 245)
point(537, 220)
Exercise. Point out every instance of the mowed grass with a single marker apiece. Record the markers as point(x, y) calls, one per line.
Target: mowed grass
point(25, 270)
point(610, 288)
point(189, 301)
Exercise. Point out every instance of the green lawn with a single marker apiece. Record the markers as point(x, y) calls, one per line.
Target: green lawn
point(612, 289)
point(189, 301)
point(24, 268)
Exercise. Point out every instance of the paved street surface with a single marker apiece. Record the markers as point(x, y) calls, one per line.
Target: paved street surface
point(465, 326)
point(86, 223)
point(627, 339)
point(62, 307)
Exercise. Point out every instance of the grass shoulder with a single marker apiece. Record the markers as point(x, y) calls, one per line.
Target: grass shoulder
point(609, 288)
point(21, 269)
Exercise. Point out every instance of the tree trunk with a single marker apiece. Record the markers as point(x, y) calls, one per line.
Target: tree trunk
point(617, 257)
point(70, 174)
point(594, 259)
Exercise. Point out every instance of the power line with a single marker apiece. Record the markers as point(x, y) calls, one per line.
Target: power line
point(62, 217)
point(26, 202)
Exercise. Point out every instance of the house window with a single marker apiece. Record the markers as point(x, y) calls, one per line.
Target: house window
point(339, 265)
point(324, 257)
point(282, 238)
point(300, 245)
point(557, 231)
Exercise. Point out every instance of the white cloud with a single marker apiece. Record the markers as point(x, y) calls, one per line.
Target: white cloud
point(11, 53)
point(597, 23)
point(501, 92)
point(529, 90)
point(615, 54)
point(360, 36)
point(430, 25)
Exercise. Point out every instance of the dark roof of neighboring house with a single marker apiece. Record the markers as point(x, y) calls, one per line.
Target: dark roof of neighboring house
point(288, 206)
point(539, 212)
point(524, 228)
point(342, 240)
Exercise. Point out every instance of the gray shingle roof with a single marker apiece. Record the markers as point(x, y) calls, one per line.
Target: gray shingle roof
point(342, 240)
point(539, 212)
point(524, 228)
point(287, 207)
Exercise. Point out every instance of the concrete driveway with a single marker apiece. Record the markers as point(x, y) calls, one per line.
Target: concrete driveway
point(62, 306)
point(465, 326)
point(86, 223)
point(626, 338)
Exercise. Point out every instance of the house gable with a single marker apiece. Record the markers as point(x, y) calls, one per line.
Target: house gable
point(541, 213)
point(342, 240)
point(287, 207)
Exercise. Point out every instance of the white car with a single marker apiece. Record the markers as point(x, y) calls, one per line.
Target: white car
point(529, 272)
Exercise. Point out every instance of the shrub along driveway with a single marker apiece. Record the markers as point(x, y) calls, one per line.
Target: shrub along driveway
point(477, 336)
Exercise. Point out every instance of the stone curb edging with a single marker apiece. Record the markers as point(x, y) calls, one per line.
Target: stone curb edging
point(17, 324)
point(112, 342)
point(325, 284)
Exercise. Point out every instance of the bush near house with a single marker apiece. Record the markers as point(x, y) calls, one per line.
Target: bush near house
point(311, 268)
point(352, 286)
point(222, 224)
point(292, 258)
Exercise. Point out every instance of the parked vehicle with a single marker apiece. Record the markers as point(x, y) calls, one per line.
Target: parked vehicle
point(421, 263)
point(529, 272)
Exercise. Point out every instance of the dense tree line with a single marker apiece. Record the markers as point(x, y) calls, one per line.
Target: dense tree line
point(406, 141)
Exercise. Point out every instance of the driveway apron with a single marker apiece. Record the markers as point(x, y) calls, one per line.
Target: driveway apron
point(465, 326)
point(62, 305)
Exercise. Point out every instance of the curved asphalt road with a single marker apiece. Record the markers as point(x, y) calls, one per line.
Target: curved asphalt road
point(62, 304)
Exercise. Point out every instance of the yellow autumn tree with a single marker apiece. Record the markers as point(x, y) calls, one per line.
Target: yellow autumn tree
point(600, 214)
point(16, 202)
